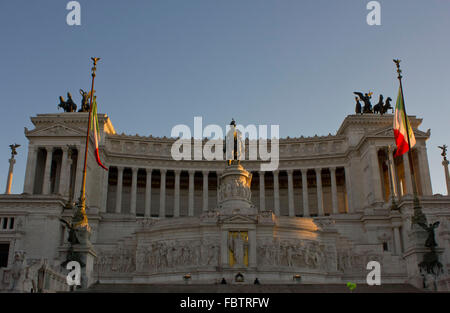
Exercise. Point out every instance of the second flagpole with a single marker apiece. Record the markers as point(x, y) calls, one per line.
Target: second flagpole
point(81, 220)
point(418, 217)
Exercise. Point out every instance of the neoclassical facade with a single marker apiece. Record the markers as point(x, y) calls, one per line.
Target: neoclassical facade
point(319, 218)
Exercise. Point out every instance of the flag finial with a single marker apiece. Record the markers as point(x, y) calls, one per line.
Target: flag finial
point(399, 71)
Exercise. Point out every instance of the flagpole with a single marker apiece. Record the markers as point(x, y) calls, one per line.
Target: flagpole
point(418, 214)
point(80, 216)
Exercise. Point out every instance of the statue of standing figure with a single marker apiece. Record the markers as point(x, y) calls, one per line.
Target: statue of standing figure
point(444, 151)
point(237, 245)
point(14, 149)
point(358, 108)
point(234, 145)
point(431, 240)
point(84, 101)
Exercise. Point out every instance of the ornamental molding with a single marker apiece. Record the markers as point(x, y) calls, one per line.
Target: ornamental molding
point(219, 166)
point(371, 121)
point(162, 150)
point(389, 132)
point(237, 219)
point(56, 130)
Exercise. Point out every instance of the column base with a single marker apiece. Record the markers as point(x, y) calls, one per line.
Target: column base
point(83, 253)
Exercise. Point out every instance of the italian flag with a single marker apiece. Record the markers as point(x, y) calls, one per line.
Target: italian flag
point(96, 130)
point(400, 123)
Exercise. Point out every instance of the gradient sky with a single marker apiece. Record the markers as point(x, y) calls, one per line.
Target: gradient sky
point(288, 62)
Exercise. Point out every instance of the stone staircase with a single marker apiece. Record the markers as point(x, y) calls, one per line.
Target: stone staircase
point(235, 288)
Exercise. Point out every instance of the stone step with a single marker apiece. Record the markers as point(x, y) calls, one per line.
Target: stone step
point(292, 288)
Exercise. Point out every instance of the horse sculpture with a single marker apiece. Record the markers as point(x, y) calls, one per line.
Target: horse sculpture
point(378, 108)
point(67, 106)
point(387, 106)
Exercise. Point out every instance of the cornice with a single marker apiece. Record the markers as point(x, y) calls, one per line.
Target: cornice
point(373, 120)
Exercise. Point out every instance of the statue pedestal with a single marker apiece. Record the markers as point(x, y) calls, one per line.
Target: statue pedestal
point(415, 255)
point(85, 254)
point(234, 192)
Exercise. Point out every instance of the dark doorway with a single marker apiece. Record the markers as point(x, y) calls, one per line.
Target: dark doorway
point(4, 253)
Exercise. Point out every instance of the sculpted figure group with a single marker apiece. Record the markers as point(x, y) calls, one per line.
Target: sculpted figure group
point(167, 255)
point(234, 189)
point(159, 256)
point(348, 260)
point(70, 105)
point(380, 107)
point(299, 253)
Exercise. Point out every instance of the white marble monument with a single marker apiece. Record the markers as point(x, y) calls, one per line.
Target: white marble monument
point(322, 215)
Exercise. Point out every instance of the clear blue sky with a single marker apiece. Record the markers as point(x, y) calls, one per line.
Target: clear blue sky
point(292, 63)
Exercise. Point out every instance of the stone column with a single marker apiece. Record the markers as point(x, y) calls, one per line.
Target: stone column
point(176, 209)
point(162, 195)
point(48, 164)
point(348, 189)
point(105, 185)
point(424, 171)
point(64, 180)
point(252, 248)
point(276, 193)
point(375, 182)
point(79, 173)
point(398, 244)
point(305, 192)
point(334, 198)
point(119, 189)
point(191, 193)
point(148, 193)
point(12, 161)
point(205, 190)
point(447, 176)
point(391, 183)
point(319, 191)
point(224, 248)
point(262, 195)
point(219, 174)
point(393, 171)
point(291, 193)
point(28, 186)
point(408, 177)
point(134, 172)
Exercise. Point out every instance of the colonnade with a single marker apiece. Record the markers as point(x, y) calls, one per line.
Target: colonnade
point(205, 191)
point(38, 179)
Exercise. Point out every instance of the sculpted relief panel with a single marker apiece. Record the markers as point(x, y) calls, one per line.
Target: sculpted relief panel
point(296, 253)
point(233, 189)
point(349, 261)
point(178, 255)
point(116, 261)
point(160, 256)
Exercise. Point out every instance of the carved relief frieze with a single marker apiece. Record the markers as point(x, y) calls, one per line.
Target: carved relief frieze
point(295, 253)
